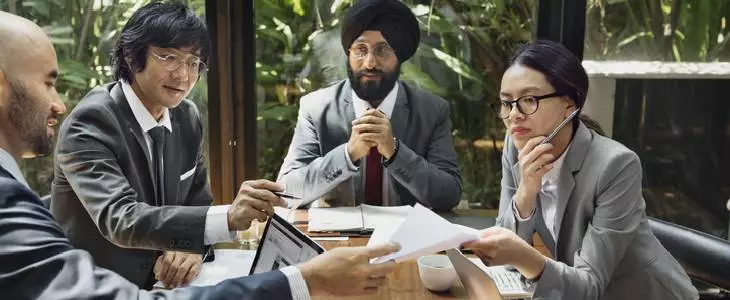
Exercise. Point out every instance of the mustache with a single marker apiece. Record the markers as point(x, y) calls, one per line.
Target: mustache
point(370, 72)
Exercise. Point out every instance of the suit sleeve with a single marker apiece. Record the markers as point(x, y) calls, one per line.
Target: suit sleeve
point(506, 217)
point(618, 214)
point(305, 171)
point(435, 179)
point(85, 156)
point(39, 263)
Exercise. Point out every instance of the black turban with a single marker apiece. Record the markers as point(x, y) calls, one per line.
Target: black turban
point(392, 18)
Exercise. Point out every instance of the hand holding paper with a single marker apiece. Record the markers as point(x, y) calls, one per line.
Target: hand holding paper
point(423, 232)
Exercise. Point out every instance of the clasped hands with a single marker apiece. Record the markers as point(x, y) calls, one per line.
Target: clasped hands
point(373, 129)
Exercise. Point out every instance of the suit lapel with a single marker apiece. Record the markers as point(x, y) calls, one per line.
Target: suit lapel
point(172, 160)
point(401, 113)
point(134, 129)
point(566, 181)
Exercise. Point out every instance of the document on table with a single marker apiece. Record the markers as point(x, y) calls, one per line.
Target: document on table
point(228, 263)
point(360, 218)
point(422, 232)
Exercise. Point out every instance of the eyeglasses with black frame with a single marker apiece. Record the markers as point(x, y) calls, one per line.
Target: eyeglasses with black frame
point(526, 105)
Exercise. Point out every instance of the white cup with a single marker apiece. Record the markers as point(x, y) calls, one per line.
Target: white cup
point(436, 272)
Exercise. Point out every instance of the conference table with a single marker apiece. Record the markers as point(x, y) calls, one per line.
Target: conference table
point(404, 282)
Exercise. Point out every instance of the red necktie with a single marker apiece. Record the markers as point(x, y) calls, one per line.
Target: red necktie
point(374, 178)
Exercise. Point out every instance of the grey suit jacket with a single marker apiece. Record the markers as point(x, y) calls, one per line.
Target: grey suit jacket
point(424, 170)
point(605, 248)
point(103, 192)
point(39, 263)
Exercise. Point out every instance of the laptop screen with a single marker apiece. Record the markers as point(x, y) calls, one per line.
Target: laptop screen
point(283, 245)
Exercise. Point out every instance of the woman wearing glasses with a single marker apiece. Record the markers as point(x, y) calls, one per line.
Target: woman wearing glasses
point(580, 191)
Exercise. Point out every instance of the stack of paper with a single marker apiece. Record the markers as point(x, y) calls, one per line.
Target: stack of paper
point(359, 218)
point(423, 232)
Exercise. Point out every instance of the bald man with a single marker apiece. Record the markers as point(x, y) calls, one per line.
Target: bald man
point(36, 259)
point(372, 139)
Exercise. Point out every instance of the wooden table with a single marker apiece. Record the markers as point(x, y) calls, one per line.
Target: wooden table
point(404, 282)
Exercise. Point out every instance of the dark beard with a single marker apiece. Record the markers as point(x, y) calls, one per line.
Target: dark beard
point(373, 90)
point(29, 119)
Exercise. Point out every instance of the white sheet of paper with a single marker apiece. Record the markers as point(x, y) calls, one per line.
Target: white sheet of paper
point(228, 263)
point(285, 213)
point(351, 218)
point(335, 219)
point(424, 232)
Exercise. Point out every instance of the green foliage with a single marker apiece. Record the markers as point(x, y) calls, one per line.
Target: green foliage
point(662, 30)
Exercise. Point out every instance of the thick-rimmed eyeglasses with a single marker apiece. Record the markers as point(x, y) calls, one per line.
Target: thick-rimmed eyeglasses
point(382, 52)
point(526, 105)
point(172, 62)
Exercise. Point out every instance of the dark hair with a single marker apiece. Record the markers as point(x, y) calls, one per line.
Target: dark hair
point(159, 24)
point(561, 68)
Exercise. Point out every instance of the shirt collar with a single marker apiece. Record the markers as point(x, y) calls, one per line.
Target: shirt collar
point(552, 175)
point(144, 118)
point(386, 106)
point(8, 163)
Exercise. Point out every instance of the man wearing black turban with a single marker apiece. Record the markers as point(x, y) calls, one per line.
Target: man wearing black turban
point(372, 139)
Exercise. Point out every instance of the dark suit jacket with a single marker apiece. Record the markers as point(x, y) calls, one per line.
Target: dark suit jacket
point(38, 262)
point(104, 189)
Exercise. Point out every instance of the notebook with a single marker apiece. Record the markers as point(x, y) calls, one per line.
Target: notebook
point(363, 218)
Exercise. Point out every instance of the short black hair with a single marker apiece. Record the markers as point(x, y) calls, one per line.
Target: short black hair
point(159, 24)
point(561, 68)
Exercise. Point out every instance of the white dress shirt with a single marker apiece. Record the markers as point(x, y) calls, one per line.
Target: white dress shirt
point(548, 195)
point(360, 106)
point(216, 219)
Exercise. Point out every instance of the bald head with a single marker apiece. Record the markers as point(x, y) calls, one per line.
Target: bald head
point(29, 103)
point(23, 41)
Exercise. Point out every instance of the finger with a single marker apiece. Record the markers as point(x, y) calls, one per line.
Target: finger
point(374, 138)
point(167, 260)
point(253, 213)
point(264, 184)
point(368, 128)
point(381, 270)
point(262, 206)
point(194, 271)
point(183, 270)
point(158, 266)
point(381, 250)
point(173, 270)
point(261, 194)
point(370, 119)
point(531, 144)
point(535, 153)
point(375, 282)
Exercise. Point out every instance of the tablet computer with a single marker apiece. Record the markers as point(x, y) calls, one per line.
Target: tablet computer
point(282, 245)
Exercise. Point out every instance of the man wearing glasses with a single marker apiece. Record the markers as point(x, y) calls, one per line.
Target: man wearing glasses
point(130, 177)
point(372, 139)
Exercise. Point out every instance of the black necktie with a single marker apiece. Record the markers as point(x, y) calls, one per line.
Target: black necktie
point(158, 145)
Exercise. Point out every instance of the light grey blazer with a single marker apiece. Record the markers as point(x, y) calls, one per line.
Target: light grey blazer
point(424, 170)
point(605, 248)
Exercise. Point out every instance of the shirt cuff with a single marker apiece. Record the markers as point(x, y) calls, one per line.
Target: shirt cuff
point(517, 214)
point(350, 164)
point(216, 225)
point(297, 285)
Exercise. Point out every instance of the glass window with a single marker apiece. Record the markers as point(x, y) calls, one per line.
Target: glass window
point(464, 47)
point(667, 30)
point(84, 36)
